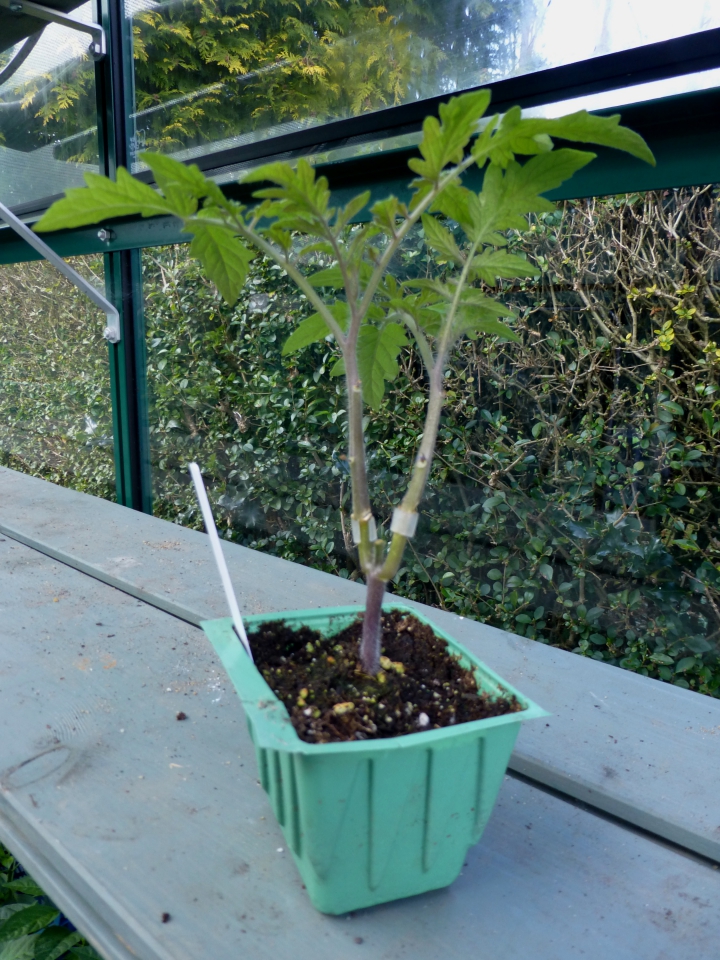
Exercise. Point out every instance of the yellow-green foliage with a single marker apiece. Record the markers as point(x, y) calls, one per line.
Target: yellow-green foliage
point(211, 69)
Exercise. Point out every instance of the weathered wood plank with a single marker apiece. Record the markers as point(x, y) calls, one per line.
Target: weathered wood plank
point(640, 749)
point(125, 813)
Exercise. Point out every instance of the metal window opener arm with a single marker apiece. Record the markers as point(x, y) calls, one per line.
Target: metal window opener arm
point(98, 47)
point(112, 330)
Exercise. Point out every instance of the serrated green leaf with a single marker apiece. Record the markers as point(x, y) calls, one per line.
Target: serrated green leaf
point(352, 208)
point(329, 277)
point(492, 307)
point(300, 193)
point(104, 199)
point(278, 172)
point(20, 949)
point(377, 359)
point(310, 330)
point(29, 920)
point(532, 135)
point(25, 885)
point(54, 942)
point(442, 290)
point(495, 328)
point(443, 142)
point(507, 197)
point(320, 246)
point(332, 276)
point(584, 127)
point(513, 137)
point(314, 328)
point(441, 239)
point(412, 310)
point(385, 213)
point(182, 184)
point(475, 310)
point(454, 202)
point(493, 264)
point(479, 314)
point(225, 259)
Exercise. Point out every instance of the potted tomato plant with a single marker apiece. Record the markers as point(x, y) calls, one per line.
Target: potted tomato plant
point(381, 741)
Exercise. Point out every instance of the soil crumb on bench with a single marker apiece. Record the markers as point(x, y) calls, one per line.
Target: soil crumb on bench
point(329, 698)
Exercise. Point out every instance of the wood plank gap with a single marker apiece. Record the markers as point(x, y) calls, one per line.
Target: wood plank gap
point(584, 794)
point(186, 614)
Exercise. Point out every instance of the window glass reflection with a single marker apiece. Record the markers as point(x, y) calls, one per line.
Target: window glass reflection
point(48, 112)
point(213, 74)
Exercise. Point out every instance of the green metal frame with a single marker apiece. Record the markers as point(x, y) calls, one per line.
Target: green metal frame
point(123, 271)
point(683, 132)
point(128, 383)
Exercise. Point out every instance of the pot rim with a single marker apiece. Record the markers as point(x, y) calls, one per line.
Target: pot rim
point(271, 724)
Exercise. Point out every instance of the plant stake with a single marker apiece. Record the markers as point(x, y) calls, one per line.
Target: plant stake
point(232, 603)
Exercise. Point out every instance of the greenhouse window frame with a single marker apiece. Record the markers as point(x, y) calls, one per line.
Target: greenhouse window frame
point(682, 130)
point(657, 120)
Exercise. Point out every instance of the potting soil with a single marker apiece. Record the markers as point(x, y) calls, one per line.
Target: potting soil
point(330, 699)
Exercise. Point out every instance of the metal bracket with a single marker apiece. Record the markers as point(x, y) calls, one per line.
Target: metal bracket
point(112, 330)
point(98, 47)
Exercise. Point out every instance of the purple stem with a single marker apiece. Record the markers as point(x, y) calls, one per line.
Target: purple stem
point(370, 643)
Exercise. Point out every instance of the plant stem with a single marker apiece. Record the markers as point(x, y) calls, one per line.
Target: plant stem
point(370, 643)
point(283, 260)
point(424, 458)
point(361, 511)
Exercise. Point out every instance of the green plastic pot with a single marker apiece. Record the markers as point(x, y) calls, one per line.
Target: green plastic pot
point(374, 820)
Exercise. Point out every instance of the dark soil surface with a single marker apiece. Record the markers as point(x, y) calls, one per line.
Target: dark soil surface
point(329, 698)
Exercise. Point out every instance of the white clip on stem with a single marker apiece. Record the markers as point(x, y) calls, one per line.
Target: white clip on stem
point(404, 522)
point(219, 556)
point(372, 529)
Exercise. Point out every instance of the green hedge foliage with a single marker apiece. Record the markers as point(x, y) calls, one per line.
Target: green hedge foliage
point(55, 411)
point(574, 499)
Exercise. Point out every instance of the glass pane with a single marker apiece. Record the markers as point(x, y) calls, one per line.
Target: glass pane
point(48, 113)
point(625, 96)
point(574, 499)
point(211, 76)
point(55, 412)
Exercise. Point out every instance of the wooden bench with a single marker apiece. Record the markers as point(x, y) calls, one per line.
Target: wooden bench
point(604, 843)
